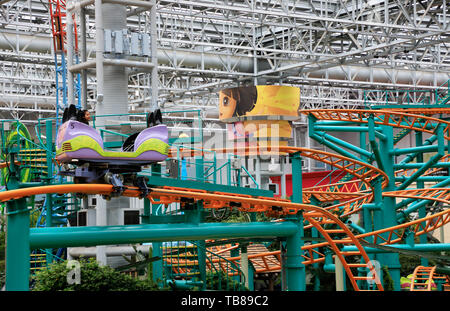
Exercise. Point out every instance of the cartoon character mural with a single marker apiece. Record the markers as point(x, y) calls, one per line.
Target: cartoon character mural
point(259, 115)
point(259, 102)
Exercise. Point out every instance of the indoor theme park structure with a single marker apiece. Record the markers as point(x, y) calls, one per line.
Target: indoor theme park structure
point(121, 183)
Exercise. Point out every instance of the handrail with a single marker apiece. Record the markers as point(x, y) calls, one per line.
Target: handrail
point(395, 94)
point(251, 177)
point(236, 267)
point(112, 132)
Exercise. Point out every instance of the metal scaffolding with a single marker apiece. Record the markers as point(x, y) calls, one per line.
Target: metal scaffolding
point(333, 50)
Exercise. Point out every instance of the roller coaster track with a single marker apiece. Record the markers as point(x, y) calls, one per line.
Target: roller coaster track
point(348, 206)
point(332, 229)
point(417, 227)
point(343, 191)
point(393, 118)
point(315, 215)
point(352, 195)
point(435, 194)
point(427, 111)
point(423, 278)
point(396, 119)
point(263, 260)
point(394, 234)
point(363, 171)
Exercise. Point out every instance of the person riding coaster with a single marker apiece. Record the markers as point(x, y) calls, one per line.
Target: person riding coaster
point(81, 145)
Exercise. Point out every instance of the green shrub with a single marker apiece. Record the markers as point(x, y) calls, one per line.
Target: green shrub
point(388, 282)
point(221, 281)
point(2, 259)
point(93, 277)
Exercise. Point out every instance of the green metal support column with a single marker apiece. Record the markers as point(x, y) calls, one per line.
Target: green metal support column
point(195, 217)
point(145, 219)
point(49, 197)
point(295, 269)
point(156, 246)
point(388, 204)
point(199, 168)
point(375, 149)
point(17, 236)
point(421, 185)
point(378, 216)
point(315, 235)
point(198, 218)
point(235, 252)
point(17, 246)
point(363, 144)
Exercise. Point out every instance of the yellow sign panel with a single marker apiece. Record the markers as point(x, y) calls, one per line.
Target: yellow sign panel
point(264, 147)
point(261, 102)
point(259, 129)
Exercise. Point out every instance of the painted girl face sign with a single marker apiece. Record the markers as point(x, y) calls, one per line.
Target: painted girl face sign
point(259, 102)
point(227, 104)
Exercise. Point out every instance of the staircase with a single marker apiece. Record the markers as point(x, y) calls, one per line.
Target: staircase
point(182, 267)
point(61, 213)
point(181, 261)
point(399, 136)
point(35, 160)
point(38, 261)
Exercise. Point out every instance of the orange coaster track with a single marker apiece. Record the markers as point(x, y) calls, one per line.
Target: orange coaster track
point(410, 121)
point(420, 226)
point(352, 194)
point(317, 216)
point(423, 278)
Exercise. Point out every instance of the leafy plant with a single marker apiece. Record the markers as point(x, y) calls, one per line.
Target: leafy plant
point(2, 258)
point(93, 277)
point(222, 281)
point(388, 283)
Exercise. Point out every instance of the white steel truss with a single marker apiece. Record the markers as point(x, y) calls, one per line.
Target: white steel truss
point(332, 49)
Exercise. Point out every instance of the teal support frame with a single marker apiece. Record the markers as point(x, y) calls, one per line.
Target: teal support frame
point(17, 236)
point(411, 156)
point(321, 140)
point(49, 197)
point(421, 185)
point(192, 184)
point(157, 268)
point(440, 148)
point(389, 218)
point(107, 235)
point(17, 246)
point(414, 207)
point(295, 269)
point(373, 143)
point(196, 217)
